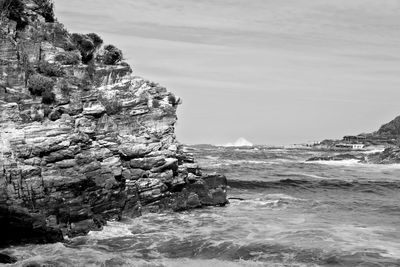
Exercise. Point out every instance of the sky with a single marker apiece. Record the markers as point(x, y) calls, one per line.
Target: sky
point(272, 71)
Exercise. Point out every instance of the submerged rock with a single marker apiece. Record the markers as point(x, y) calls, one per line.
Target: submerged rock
point(4, 258)
point(18, 225)
point(84, 141)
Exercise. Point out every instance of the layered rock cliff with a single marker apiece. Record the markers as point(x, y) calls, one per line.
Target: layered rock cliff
point(83, 140)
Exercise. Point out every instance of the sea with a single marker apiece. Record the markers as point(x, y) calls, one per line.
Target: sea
point(283, 211)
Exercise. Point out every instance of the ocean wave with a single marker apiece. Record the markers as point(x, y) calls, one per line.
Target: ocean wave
point(356, 163)
point(274, 201)
point(364, 237)
point(373, 151)
point(111, 230)
point(274, 254)
point(361, 185)
point(244, 163)
point(182, 253)
point(240, 162)
point(347, 162)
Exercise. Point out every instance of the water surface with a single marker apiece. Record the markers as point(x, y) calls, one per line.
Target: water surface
point(284, 211)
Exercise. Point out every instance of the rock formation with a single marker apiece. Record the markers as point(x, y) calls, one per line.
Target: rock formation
point(391, 128)
point(388, 137)
point(83, 140)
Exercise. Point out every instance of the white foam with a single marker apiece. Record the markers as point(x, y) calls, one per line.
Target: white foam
point(356, 237)
point(240, 142)
point(214, 262)
point(271, 201)
point(373, 151)
point(283, 196)
point(111, 230)
point(356, 163)
point(347, 162)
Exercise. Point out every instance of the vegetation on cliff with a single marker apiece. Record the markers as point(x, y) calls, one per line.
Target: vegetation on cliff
point(111, 55)
point(14, 10)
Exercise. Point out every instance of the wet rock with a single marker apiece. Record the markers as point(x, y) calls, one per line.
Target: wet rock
point(210, 191)
point(178, 181)
point(4, 258)
point(215, 180)
point(191, 168)
point(18, 226)
point(193, 201)
point(83, 227)
point(186, 200)
point(219, 196)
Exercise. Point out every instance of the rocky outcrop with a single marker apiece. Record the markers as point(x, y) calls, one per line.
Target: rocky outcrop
point(83, 140)
point(390, 155)
point(391, 128)
point(388, 137)
point(338, 157)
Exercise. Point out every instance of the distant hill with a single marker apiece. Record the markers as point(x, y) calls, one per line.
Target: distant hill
point(390, 128)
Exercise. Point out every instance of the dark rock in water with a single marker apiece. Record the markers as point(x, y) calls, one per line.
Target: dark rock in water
point(17, 226)
point(83, 227)
point(33, 264)
point(83, 141)
point(210, 191)
point(4, 258)
point(337, 157)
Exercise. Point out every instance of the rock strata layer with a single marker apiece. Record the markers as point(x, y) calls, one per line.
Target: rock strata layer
point(83, 140)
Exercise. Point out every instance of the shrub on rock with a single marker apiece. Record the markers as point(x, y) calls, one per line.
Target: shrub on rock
point(38, 84)
point(96, 39)
point(14, 10)
point(67, 58)
point(69, 45)
point(156, 103)
point(112, 55)
point(65, 88)
point(91, 69)
point(87, 44)
point(50, 69)
point(86, 85)
point(46, 9)
point(48, 97)
point(172, 100)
